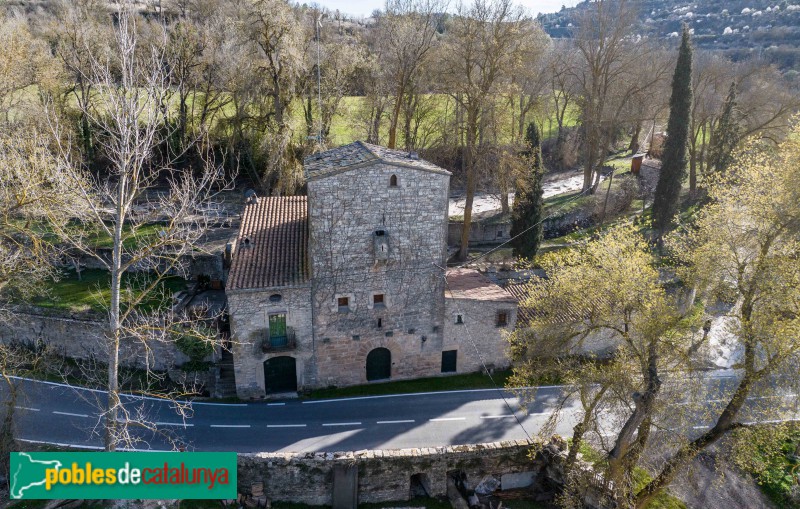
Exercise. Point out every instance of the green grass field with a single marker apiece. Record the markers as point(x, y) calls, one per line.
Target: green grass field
point(92, 292)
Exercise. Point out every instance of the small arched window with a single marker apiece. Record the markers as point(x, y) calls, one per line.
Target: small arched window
point(393, 181)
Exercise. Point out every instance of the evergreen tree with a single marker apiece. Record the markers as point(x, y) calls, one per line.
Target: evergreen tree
point(726, 135)
point(673, 162)
point(526, 213)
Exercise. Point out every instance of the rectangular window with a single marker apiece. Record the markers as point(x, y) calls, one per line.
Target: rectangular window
point(344, 303)
point(449, 360)
point(502, 318)
point(277, 330)
point(377, 300)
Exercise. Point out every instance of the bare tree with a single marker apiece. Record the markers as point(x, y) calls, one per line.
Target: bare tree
point(340, 57)
point(141, 187)
point(273, 28)
point(485, 45)
point(606, 76)
point(407, 31)
point(561, 62)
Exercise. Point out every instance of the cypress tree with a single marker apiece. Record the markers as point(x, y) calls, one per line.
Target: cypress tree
point(726, 135)
point(526, 213)
point(673, 162)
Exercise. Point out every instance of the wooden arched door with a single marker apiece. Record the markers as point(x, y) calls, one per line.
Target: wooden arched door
point(379, 364)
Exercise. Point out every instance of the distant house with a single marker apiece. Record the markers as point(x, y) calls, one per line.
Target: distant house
point(486, 228)
point(347, 285)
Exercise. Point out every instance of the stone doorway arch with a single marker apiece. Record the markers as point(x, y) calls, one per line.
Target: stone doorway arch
point(379, 364)
point(280, 374)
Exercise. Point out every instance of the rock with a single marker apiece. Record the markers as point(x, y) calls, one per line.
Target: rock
point(456, 500)
point(487, 486)
point(473, 501)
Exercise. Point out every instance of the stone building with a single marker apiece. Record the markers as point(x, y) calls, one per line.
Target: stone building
point(347, 285)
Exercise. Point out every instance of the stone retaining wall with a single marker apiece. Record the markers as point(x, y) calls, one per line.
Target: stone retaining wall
point(382, 475)
point(385, 475)
point(82, 338)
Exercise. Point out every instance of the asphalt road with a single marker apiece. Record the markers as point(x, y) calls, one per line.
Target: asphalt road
point(59, 414)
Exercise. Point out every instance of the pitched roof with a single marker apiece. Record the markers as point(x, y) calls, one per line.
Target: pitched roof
point(471, 284)
point(277, 252)
point(358, 154)
point(527, 311)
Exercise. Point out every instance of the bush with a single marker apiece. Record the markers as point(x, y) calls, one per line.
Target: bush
point(197, 346)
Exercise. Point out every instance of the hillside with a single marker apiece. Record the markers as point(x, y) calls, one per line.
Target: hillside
point(737, 27)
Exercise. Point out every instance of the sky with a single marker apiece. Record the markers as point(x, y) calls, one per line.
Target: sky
point(365, 7)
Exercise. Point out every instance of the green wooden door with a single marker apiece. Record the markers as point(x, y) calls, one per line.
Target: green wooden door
point(379, 364)
point(277, 330)
point(280, 375)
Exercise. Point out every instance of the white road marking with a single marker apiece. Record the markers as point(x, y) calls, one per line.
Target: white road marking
point(773, 421)
point(286, 425)
point(230, 425)
point(342, 424)
point(26, 408)
point(76, 446)
point(191, 402)
point(700, 427)
point(496, 416)
point(396, 422)
point(91, 447)
point(70, 414)
point(415, 394)
point(276, 404)
point(182, 424)
point(443, 419)
point(126, 395)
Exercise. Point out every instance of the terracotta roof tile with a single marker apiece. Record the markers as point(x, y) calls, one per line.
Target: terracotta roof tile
point(277, 252)
point(471, 284)
point(526, 311)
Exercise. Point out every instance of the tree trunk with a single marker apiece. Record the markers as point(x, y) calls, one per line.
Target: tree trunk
point(114, 326)
point(580, 429)
point(7, 444)
point(588, 165)
point(688, 452)
point(693, 162)
point(725, 423)
point(633, 147)
point(392, 143)
point(469, 165)
point(619, 462)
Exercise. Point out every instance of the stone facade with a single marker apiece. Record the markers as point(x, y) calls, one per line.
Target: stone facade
point(478, 329)
point(365, 300)
point(349, 212)
point(249, 311)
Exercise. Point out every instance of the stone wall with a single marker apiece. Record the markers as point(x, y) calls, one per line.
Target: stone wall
point(81, 338)
point(493, 230)
point(478, 328)
point(345, 212)
point(192, 266)
point(385, 475)
point(249, 311)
